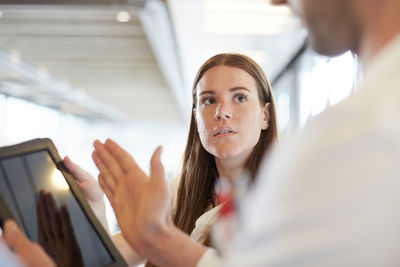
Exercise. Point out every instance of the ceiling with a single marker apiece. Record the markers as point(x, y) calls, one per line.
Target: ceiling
point(58, 55)
point(78, 58)
point(271, 35)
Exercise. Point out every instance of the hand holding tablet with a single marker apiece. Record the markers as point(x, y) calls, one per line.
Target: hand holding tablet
point(27, 169)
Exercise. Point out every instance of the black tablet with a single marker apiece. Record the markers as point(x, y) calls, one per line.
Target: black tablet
point(39, 193)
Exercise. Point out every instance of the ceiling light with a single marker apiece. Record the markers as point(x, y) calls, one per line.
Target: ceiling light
point(245, 6)
point(254, 17)
point(123, 16)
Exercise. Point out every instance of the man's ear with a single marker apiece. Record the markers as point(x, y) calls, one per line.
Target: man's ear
point(267, 115)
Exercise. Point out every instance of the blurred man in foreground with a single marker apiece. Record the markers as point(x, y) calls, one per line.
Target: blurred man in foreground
point(329, 197)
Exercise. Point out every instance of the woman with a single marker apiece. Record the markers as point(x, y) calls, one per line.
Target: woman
point(233, 124)
point(210, 153)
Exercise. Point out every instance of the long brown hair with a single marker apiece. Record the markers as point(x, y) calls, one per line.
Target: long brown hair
point(199, 172)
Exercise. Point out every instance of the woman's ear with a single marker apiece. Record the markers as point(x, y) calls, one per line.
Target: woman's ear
point(266, 111)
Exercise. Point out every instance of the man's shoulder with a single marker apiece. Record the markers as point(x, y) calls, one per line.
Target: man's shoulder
point(355, 129)
point(368, 113)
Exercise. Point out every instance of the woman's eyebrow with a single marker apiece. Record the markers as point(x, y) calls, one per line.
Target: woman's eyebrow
point(233, 89)
point(239, 88)
point(210, 92)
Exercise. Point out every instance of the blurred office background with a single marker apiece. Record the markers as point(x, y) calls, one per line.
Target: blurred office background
point(76, 71)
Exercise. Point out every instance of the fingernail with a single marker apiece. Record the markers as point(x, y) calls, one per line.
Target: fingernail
point(109, 142)
point(98, 145)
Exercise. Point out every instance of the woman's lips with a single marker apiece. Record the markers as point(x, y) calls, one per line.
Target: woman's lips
point(223, 131)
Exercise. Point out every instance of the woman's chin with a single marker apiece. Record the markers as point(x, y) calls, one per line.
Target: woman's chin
point(226, 154)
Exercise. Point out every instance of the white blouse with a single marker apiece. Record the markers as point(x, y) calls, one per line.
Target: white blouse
point(203, 223)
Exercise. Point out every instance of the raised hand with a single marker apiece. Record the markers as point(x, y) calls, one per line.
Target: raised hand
point(140, 202)
point(95, 196)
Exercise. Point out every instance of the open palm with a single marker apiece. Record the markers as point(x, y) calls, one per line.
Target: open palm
point(140, 202)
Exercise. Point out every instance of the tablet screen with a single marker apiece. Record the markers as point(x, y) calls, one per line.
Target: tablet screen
point(46, 209)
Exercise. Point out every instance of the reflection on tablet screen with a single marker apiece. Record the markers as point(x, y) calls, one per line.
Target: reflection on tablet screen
point(41, 202)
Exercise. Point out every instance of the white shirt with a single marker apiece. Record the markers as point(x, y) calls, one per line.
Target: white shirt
point(331, 196)
point(204, 223)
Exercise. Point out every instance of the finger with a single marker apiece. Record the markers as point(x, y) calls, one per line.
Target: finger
point(67, 227)
point(108, 179)
point(77, 172)
point(44, 217)
point(157, 173)
point(14, 237)
point(109, 161)
point(58, 225)
point(103, 168)
point(122, 156)
point(72, 167)
point(106, 189)
point(53, 215)
point(40, 223)
point(29, 252)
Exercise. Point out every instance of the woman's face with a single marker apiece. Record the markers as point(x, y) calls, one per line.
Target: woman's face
point(228, 112)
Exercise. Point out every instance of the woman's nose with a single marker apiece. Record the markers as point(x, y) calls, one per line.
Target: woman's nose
point(222, 112)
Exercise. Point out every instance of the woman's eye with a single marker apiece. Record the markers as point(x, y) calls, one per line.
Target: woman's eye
point(209, 100)
point(240, 98)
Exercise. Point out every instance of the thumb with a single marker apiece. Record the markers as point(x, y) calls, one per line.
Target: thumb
point(13, 236)
point(77, 172)
point(157, 173)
